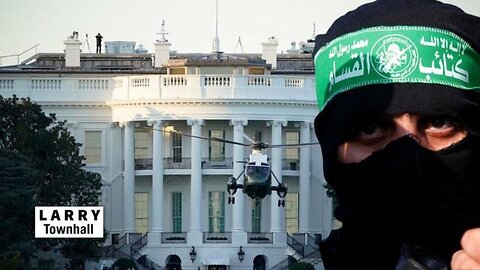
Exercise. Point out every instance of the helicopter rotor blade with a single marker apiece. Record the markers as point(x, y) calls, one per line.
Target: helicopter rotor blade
point(247, 137)
point(242, 161)
point(274, 176)
point(293, 145)
point(202, 138)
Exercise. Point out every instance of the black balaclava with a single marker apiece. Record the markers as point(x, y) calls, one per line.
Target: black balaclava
point(404, 194)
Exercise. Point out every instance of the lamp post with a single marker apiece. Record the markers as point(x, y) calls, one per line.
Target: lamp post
point(241, 254)
point(193, 254)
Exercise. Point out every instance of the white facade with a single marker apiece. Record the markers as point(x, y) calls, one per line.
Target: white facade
point(172, 187)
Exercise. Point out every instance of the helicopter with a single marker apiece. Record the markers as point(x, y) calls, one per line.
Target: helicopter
point(258, 178)
point(258, 175)
point(257, 172)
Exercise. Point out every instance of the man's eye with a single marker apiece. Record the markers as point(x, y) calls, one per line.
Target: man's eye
point(440, 126)
point(439, 122)
point(372, 133)
point(369, 129)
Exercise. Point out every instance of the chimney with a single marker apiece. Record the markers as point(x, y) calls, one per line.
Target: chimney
point(72, 51)
point(269, 51)
point(162, 48)
point(162, 52)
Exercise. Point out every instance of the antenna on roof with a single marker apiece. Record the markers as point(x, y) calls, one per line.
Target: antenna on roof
point(163, 33)
point(314, 34)
point(85, 43)
point(216, 40)
point(239, 44)
point(216, 19)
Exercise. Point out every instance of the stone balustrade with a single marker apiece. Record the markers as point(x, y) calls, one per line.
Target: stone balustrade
point(155, 87)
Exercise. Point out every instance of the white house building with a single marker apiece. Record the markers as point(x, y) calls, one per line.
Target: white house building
point(164, 194)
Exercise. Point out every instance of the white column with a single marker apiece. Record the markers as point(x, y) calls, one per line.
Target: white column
point(195, 233)
point(276, 157)
point(129, 178)
point(304, 175)
point(154, 237)
point(239, 214)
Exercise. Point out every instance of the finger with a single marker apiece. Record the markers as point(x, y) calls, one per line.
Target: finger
point(471, 244)
point(461, 261)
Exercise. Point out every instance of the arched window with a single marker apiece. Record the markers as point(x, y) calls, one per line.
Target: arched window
point(259, 263)
point(173, 262)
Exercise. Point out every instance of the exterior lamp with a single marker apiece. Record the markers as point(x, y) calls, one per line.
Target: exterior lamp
point(241, 254)
point(193, 254)
point(231, 185)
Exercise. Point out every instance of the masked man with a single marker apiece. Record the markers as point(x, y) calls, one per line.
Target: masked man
point(398, 86)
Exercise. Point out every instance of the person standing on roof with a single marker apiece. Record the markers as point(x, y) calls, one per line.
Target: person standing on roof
point(99, 42)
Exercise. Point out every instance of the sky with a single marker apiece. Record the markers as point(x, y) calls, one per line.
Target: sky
point(190, 23)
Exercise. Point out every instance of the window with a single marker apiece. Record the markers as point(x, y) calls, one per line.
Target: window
point(292, 137)
point(93, 146)
point(216, 150)
point(177, 147)
point(257, 136)
point(141, 144)
point(176, 71)
point(256, 217)
point(291, 212)
point(256, 71)
point(176, 212)
point(216, 212)
point(141, 212)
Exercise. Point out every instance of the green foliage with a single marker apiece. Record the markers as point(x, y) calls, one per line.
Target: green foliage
point(330, 191)
point(17, 190)
point(331, 194)
point(78, 250)
point(59, 179)
point(13, 263)
point(124, 264)
point(301, 266)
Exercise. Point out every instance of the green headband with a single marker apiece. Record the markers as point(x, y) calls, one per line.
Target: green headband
point(395, 54)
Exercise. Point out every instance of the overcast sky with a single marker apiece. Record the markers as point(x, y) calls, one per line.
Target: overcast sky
point(190, 23)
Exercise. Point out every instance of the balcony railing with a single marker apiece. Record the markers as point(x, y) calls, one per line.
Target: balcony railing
point(154, 87)
point(184, 163)
point(260, 238)
point(174, 237)
point(226, 163)
point(290, 164)
point(210, 237)
point(168, 163)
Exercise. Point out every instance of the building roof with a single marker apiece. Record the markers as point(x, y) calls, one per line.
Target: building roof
point(287, 63)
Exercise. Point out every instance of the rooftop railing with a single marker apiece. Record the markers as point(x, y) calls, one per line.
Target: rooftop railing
point(103, 88)
point(17, 56)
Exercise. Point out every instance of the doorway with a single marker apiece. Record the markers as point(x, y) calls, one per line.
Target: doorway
point(259, 263)
point(173, 262)
point(217, 267)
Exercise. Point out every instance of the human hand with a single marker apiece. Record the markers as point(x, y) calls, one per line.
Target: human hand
point(469, 256)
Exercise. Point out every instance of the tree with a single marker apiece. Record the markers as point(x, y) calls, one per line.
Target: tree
point(11, 264)
point(53, 152)
point(124, 264)
point(301, 266)
point(17, 189)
